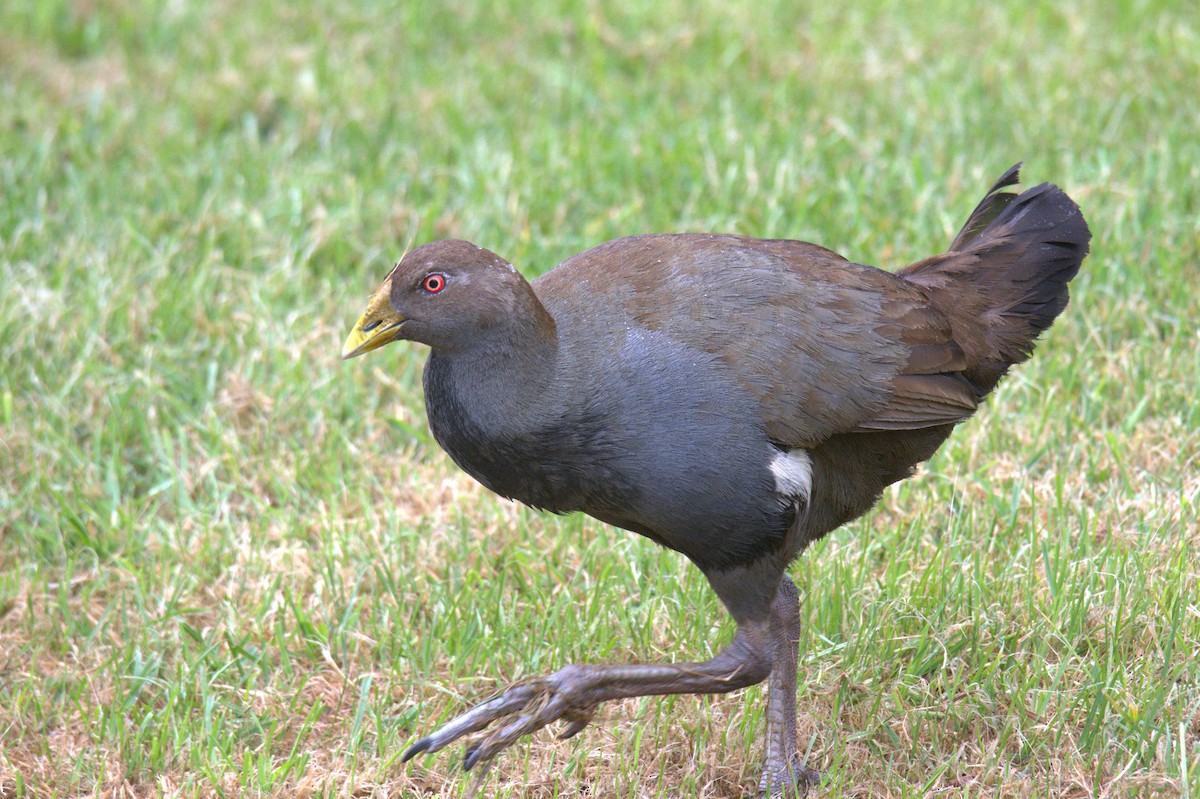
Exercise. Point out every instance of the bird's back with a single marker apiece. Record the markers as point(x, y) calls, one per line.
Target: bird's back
point(865, 370)
point(821, 344)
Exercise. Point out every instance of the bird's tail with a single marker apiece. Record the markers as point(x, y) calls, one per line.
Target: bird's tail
point(1004, 279)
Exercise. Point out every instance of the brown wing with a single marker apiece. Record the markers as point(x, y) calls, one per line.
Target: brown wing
point(930, 388)
point(826, 346)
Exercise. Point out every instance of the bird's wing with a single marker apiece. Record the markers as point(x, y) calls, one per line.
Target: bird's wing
point(824, 345)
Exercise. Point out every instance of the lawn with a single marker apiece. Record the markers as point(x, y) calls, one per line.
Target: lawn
point(233, 565)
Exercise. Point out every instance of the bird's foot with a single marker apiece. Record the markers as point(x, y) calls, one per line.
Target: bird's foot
point(522, 709)
point(787, 781)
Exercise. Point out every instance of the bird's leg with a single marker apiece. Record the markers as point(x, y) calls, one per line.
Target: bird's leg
point(762, 592)
point(572, 694)
point(783, 775)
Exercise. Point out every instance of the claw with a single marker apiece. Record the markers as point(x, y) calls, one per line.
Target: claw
point(473, 720)
point(416, 749)
point(522, 709)
point(573, 728)
point(577, 719)
point(474, 753)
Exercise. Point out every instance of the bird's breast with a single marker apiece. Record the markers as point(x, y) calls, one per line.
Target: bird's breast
point(657, 438)
point(546, 454)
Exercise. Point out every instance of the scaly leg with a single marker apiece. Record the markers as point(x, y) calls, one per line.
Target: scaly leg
point(572, 694)
point(783, 775)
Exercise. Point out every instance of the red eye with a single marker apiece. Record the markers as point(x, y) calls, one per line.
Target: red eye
point(434, 283)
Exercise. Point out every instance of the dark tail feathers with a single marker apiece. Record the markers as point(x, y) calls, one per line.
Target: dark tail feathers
point(1004, 279)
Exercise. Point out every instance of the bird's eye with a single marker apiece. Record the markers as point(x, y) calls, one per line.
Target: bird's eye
point(434, 283)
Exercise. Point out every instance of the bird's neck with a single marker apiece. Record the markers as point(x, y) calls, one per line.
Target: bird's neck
point(503, 382)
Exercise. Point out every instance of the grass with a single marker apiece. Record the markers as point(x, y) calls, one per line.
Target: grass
point(231, 565)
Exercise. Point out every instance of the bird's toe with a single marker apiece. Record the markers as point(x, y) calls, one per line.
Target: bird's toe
point(475, 719)
point(789, 781)
point(522, 709)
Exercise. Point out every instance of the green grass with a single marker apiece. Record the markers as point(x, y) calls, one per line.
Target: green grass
point(231, 564)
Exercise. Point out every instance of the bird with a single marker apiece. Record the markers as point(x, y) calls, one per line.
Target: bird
point(734, 399)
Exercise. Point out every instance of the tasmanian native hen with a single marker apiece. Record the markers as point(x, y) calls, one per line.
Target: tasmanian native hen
point(734, 399)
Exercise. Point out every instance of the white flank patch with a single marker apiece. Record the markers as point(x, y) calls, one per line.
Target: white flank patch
point(793, 475)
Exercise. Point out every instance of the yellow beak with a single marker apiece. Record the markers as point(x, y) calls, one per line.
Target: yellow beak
point(379, 324)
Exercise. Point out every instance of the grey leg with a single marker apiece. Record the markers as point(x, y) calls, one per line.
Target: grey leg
point(762, 593)
point(783, 775)
point(572, 694)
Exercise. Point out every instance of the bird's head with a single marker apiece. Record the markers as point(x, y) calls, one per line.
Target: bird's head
point(447, 294)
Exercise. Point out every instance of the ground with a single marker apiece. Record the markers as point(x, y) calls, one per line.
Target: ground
point(233, 565)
